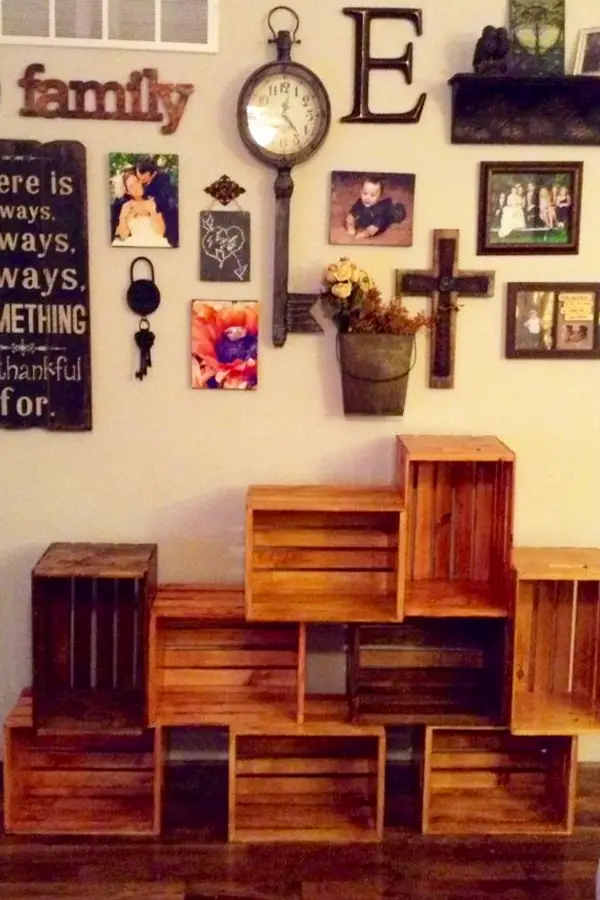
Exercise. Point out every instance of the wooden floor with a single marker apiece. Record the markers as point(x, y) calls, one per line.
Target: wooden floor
point(189, 863)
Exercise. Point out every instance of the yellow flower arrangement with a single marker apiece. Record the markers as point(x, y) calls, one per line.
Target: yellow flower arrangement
point(351, 298)
point(344, 277)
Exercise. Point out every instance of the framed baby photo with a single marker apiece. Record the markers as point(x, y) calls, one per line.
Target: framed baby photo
point(550, 320)
point(529, 207)
point(224, 344)
point(587, 57)
point(144, 199)
point(372, 208)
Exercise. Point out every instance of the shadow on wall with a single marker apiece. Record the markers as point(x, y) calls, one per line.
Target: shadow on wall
point(371, 463)
point(15, 621)
point(326, 659)
point(202, 539)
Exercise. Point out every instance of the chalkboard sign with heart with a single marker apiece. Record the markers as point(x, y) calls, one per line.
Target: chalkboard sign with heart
point(224, 245)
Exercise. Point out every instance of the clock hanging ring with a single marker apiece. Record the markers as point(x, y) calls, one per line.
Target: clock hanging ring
point(284, 114)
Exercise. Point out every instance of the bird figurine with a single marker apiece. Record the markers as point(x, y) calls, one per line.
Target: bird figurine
point(492, 54)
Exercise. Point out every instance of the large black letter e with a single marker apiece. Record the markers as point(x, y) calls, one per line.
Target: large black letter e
point(364, 63)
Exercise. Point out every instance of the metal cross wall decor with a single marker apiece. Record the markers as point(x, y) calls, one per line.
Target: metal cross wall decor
point(444, 283)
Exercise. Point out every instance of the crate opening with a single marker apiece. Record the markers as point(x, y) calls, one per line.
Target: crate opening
point(427, 671)
point(211, 674)
point(459, 522)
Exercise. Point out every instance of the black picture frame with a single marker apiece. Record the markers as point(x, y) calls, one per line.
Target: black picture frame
point(529, 207)
point(553, 320)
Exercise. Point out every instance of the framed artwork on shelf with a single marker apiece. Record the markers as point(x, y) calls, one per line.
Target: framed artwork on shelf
point(587, 57)
point(372, 209)
point(532, 207)
point(224, 344)
point(537, 36)
point(552, 320)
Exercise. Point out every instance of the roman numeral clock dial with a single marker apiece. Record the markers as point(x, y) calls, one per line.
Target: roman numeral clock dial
point(283, 117)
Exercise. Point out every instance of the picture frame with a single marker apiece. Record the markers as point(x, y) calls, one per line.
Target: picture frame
point(553, 320)
point(143, 200)
point(224, 344)
point(537, 37)
point(374, 209)
point(587, 55)
point(529, 207)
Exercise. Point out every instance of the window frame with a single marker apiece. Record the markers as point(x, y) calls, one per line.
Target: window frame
point(106, 43)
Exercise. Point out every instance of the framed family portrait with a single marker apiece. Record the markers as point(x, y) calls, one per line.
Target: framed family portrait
point(553, 320)
point(529, 207)
point(587, 57)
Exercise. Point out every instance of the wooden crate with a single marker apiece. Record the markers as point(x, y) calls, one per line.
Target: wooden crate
point(91, 607)
point(556, 675)
point(428, 672)
point(307, 783)
point(80, 784)
point(209, 666)
point(324, 554)
point(459, 502)
point(488, 781)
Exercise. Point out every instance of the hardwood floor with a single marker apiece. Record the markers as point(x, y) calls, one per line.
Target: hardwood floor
point(189, 863)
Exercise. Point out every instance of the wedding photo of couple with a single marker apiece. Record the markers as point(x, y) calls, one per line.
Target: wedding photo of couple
point(144, 209)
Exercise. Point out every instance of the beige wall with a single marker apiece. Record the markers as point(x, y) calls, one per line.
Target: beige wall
point(168, 464)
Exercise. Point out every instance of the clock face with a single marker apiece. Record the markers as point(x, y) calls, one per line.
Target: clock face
point(284, 114)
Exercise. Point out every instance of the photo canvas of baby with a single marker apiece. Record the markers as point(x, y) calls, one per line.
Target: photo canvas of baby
point(143, 196)
point(374, 208)
point(224, 344)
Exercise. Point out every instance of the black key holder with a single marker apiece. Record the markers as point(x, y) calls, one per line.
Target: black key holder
point(143, 298)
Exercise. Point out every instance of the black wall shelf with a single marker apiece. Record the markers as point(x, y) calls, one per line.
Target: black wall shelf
point(510, 109)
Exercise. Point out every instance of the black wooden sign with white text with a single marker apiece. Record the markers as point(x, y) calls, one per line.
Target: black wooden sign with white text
point(45, 372)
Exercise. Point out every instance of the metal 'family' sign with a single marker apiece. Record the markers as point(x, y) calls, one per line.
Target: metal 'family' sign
point(143, 98)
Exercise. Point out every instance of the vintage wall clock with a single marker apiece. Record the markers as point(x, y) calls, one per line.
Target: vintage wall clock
point(283, 117)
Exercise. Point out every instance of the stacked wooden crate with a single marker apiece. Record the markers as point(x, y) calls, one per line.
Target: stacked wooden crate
point(210, 666)
point(492, 655)
point(73, 782)
point(79, 757)
point(307, 782)
point(325, 554)
point(465, 589)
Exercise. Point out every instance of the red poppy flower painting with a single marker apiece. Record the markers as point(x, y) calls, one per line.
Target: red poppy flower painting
point(225, 344)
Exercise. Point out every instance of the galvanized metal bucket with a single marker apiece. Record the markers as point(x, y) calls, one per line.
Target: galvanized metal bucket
point(375, 369)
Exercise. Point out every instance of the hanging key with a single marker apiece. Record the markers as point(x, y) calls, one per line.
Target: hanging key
point(144, 338)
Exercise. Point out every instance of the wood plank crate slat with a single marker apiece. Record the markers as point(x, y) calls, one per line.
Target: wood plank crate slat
point(78, 784)
point(488, 781)
point(555, 685)
point(316, 553)
point(427, 671)
point(459, 500)
point(209, 666)
point(307, 783)
point(91, 606)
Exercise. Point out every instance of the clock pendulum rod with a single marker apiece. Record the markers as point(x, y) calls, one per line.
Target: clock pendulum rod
point(284, 188)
